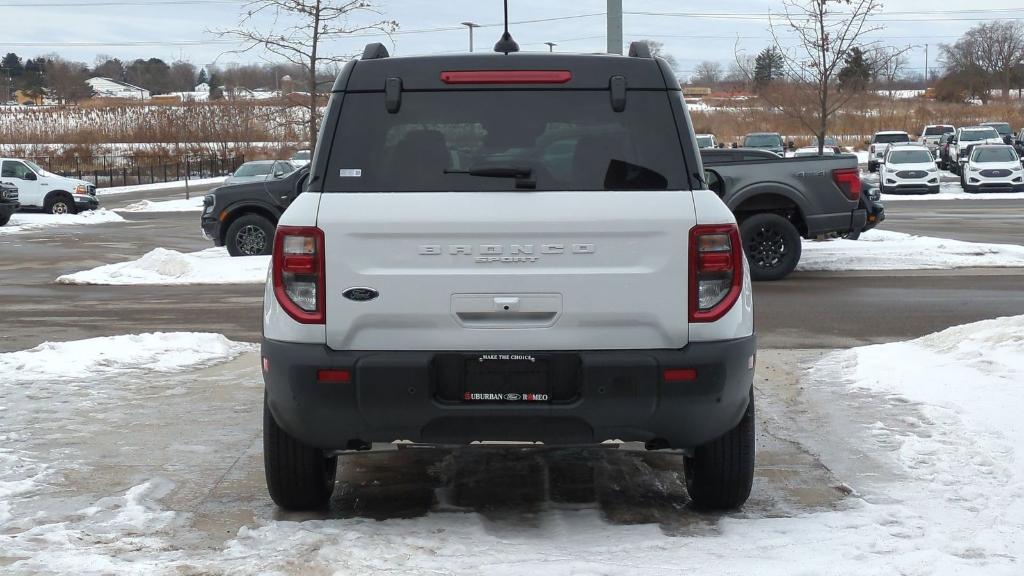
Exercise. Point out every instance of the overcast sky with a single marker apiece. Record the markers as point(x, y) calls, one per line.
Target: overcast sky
point(82, 29)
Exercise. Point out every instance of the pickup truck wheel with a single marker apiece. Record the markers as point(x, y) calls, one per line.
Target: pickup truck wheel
point(299, 477)
point(60, 204)
point(772, 245)
point(250, 235)
point(4, 219)
point(720, 473)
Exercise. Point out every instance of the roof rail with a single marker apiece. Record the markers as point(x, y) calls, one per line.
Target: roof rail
point(640, 49)
point(375, 51)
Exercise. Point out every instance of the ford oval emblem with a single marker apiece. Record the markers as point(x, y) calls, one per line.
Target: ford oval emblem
point(360, 294)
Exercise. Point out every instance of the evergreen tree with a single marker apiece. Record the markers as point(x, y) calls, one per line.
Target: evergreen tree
point(216, 92)
point(768, 67)
point(856, 73)
point(11, 65)
point(203, 78)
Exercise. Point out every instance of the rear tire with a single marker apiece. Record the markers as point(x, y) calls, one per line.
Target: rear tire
point(4, 219)
point(299, 477)
point(720, 473)
point(61, 203)
point(772, 245)
point(250, 235)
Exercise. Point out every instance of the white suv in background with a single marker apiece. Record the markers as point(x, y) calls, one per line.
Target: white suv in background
point(992, 168)
point(908, 169)
point(706, 141)
point(967, 138)
point(38, 188)
point(931, 135)
point(880, 143)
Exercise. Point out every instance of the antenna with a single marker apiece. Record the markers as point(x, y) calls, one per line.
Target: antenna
point(506, 44)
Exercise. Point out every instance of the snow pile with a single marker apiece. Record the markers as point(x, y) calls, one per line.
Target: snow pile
point(170, 267)
point(884, 250)
point(28, 222)
point(194, 204)
point(158, 186)
point(158, 351)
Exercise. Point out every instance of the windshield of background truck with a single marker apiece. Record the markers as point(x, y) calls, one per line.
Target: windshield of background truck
point(569, 140)
point(891, 138)
point(1002, 129)
point(762, 141)
point(254, 169)
point(976, 135)
point(910, 157)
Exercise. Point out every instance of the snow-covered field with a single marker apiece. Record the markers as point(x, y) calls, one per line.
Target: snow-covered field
point(170, 267)
point(193, 204)
point(29, 222)
point(885, 250)
point(158, 186)
point(922, 436)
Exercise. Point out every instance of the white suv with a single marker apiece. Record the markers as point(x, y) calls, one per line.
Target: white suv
point(993, 168)
point(967, 138)
point(517, 248)
point(908, 168)
point(931, 135)
point(38, 188)
point(880, 144)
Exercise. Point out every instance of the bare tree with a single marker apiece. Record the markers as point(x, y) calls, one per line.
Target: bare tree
point(999, 49)
point(298, 33)
point(889, 65)
point(65, 81)
point(183, 76)
point(707, 73)
point(658, 51)
point(965, 74)
point(814, 37)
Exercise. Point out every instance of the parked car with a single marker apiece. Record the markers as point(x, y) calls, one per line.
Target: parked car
point(301, 158)
point(879, 144)
point(8, 202)
point(1018, 143)
point(706, 141)
point(260, 170)
point(770, 141)
point(830, 144)
point(779, 200)
point(1004, 130)
point(44, 190)
point(243, 217)
point(908, 169)
point(966, 138)
point(992, 168)
point(932, 134)
point(477, 290)
point(943, 157)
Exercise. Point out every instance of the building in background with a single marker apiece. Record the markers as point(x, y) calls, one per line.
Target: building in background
point(108, 88)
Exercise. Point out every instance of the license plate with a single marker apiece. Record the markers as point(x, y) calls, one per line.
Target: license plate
point(506, 378)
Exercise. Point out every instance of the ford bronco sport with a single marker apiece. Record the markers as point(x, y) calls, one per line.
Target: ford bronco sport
point(507, 247)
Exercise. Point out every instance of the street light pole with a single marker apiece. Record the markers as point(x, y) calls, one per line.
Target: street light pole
point(551, 46)
point(470, 25)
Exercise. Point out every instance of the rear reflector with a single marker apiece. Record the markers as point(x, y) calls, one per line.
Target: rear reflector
point(334, 376)
point(506, 76)
point(679, 375)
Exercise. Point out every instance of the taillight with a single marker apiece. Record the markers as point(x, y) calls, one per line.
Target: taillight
point(298, 272)
point(848, 181)
point(716, 271)
point(506, 76)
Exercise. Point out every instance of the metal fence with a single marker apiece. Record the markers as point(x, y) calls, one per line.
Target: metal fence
point(110, 171)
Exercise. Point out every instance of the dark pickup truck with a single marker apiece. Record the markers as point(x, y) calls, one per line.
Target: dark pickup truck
point(779, 200)
point(8, 202)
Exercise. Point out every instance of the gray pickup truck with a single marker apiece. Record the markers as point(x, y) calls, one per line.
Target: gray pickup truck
point(779, 200)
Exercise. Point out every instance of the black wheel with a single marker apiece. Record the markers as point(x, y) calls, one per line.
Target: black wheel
point(60, 204)
point(250, 235)
point(720, 473)
point(4, 219)
point(772, 246)
point(299, 477)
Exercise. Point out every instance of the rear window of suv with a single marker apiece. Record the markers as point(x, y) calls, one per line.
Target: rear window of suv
point(890, 138)
point(938, 130)
point(570, 140)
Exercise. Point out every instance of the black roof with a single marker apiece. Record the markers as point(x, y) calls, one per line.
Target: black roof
point(589, 71)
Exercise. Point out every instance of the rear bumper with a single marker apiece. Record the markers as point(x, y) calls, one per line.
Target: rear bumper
point(621, 396)
point(840, 223)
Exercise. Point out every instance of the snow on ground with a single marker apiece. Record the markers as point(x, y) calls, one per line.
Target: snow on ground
point(29, 222)
point(170, 267)
point(885, 250)
point(158, 186)
point(157, 351)
point(193, 204)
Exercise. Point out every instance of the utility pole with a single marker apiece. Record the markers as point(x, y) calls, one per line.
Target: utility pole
point(470, 25)
point(551, 46)
point(615, 26)
point(926, 79)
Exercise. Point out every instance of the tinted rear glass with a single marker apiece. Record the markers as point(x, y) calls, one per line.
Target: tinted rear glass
point(1003, 129)
point(762, 141)
point(570, 140)
point(995, 155)
point(937, 130)
point(890, 138)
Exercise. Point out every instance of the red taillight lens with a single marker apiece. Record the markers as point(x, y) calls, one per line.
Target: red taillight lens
point(506, 76)
point(298, 273)
point(848, 181)
point(716, 271)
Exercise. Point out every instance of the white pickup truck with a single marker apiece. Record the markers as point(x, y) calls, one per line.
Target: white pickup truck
point(517, 248)
point(44, 190)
